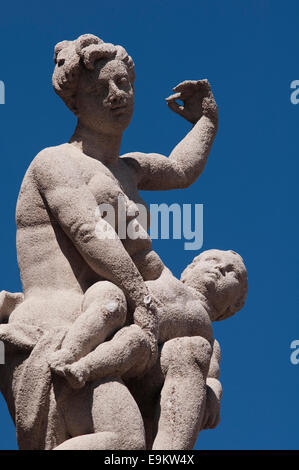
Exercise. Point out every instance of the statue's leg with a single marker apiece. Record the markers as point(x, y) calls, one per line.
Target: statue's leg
point(129, 350)
point(97, 441)
point(103, 416)
point(185, 364)
point(104, 311)
point(146, 392)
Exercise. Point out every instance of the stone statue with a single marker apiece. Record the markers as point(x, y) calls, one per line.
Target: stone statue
point(106, 349)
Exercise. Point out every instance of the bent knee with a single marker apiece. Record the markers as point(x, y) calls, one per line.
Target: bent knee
point(106, 295)
point(180, 353)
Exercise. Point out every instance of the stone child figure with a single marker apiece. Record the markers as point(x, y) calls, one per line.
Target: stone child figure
point(212, 288)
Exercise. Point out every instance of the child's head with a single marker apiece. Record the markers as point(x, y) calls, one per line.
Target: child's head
point(221, 277)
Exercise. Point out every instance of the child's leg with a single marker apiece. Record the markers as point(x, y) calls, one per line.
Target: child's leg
point(128, 352)
point(185, 365)
point(104, 311)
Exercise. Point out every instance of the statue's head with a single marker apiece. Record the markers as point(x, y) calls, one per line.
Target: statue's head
point(221, 277)
point(95, 80)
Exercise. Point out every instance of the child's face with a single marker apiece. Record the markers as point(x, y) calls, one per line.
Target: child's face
point(221, 273)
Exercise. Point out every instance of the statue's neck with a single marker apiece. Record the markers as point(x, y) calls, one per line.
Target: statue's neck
point(102, 147)
point(204, 298)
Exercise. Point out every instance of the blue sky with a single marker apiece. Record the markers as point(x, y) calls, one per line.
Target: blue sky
point(249, 52)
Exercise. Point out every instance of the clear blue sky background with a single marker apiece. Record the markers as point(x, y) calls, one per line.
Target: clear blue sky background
point(249, 52)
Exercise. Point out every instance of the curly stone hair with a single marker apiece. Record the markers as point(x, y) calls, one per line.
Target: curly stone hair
point(71, 56)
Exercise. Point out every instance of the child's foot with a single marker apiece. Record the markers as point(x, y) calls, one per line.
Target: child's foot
point(76, 375)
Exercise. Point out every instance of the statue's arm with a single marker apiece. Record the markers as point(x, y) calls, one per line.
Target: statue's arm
point(187, 160)
point(214, 390)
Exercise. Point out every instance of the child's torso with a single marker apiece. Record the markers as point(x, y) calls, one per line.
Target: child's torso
point(181, 312)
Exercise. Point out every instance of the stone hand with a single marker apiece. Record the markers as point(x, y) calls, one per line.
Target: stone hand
point(197, 98)
point(146, 317)
point(212, 411)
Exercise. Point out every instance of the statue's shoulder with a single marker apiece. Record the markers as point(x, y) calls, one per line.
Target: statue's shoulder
point(52, 162)
point(58, 153)
point(42, 164)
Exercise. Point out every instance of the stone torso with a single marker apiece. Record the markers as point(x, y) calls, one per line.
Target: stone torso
point(182, 311)
point(47, 258)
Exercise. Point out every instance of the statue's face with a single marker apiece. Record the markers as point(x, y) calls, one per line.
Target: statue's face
point(221, 275)
point(105, 97)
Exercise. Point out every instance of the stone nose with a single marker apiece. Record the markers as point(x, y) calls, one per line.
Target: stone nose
point(115, 95)
point(220, 268)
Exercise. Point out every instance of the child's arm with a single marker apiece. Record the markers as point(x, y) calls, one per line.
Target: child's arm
point(8, 302)
point(214, 390)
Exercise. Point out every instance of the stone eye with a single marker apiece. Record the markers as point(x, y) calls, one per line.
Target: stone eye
point(122, 82)
point(229, 268)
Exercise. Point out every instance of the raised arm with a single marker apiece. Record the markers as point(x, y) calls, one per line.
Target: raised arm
point(74, 207)
point(187, 160)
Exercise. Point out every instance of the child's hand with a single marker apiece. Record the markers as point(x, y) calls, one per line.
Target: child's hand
point(146, 317)
point(212, 411)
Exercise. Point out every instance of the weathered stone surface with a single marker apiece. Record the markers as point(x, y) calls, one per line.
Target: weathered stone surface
point(106, 349)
